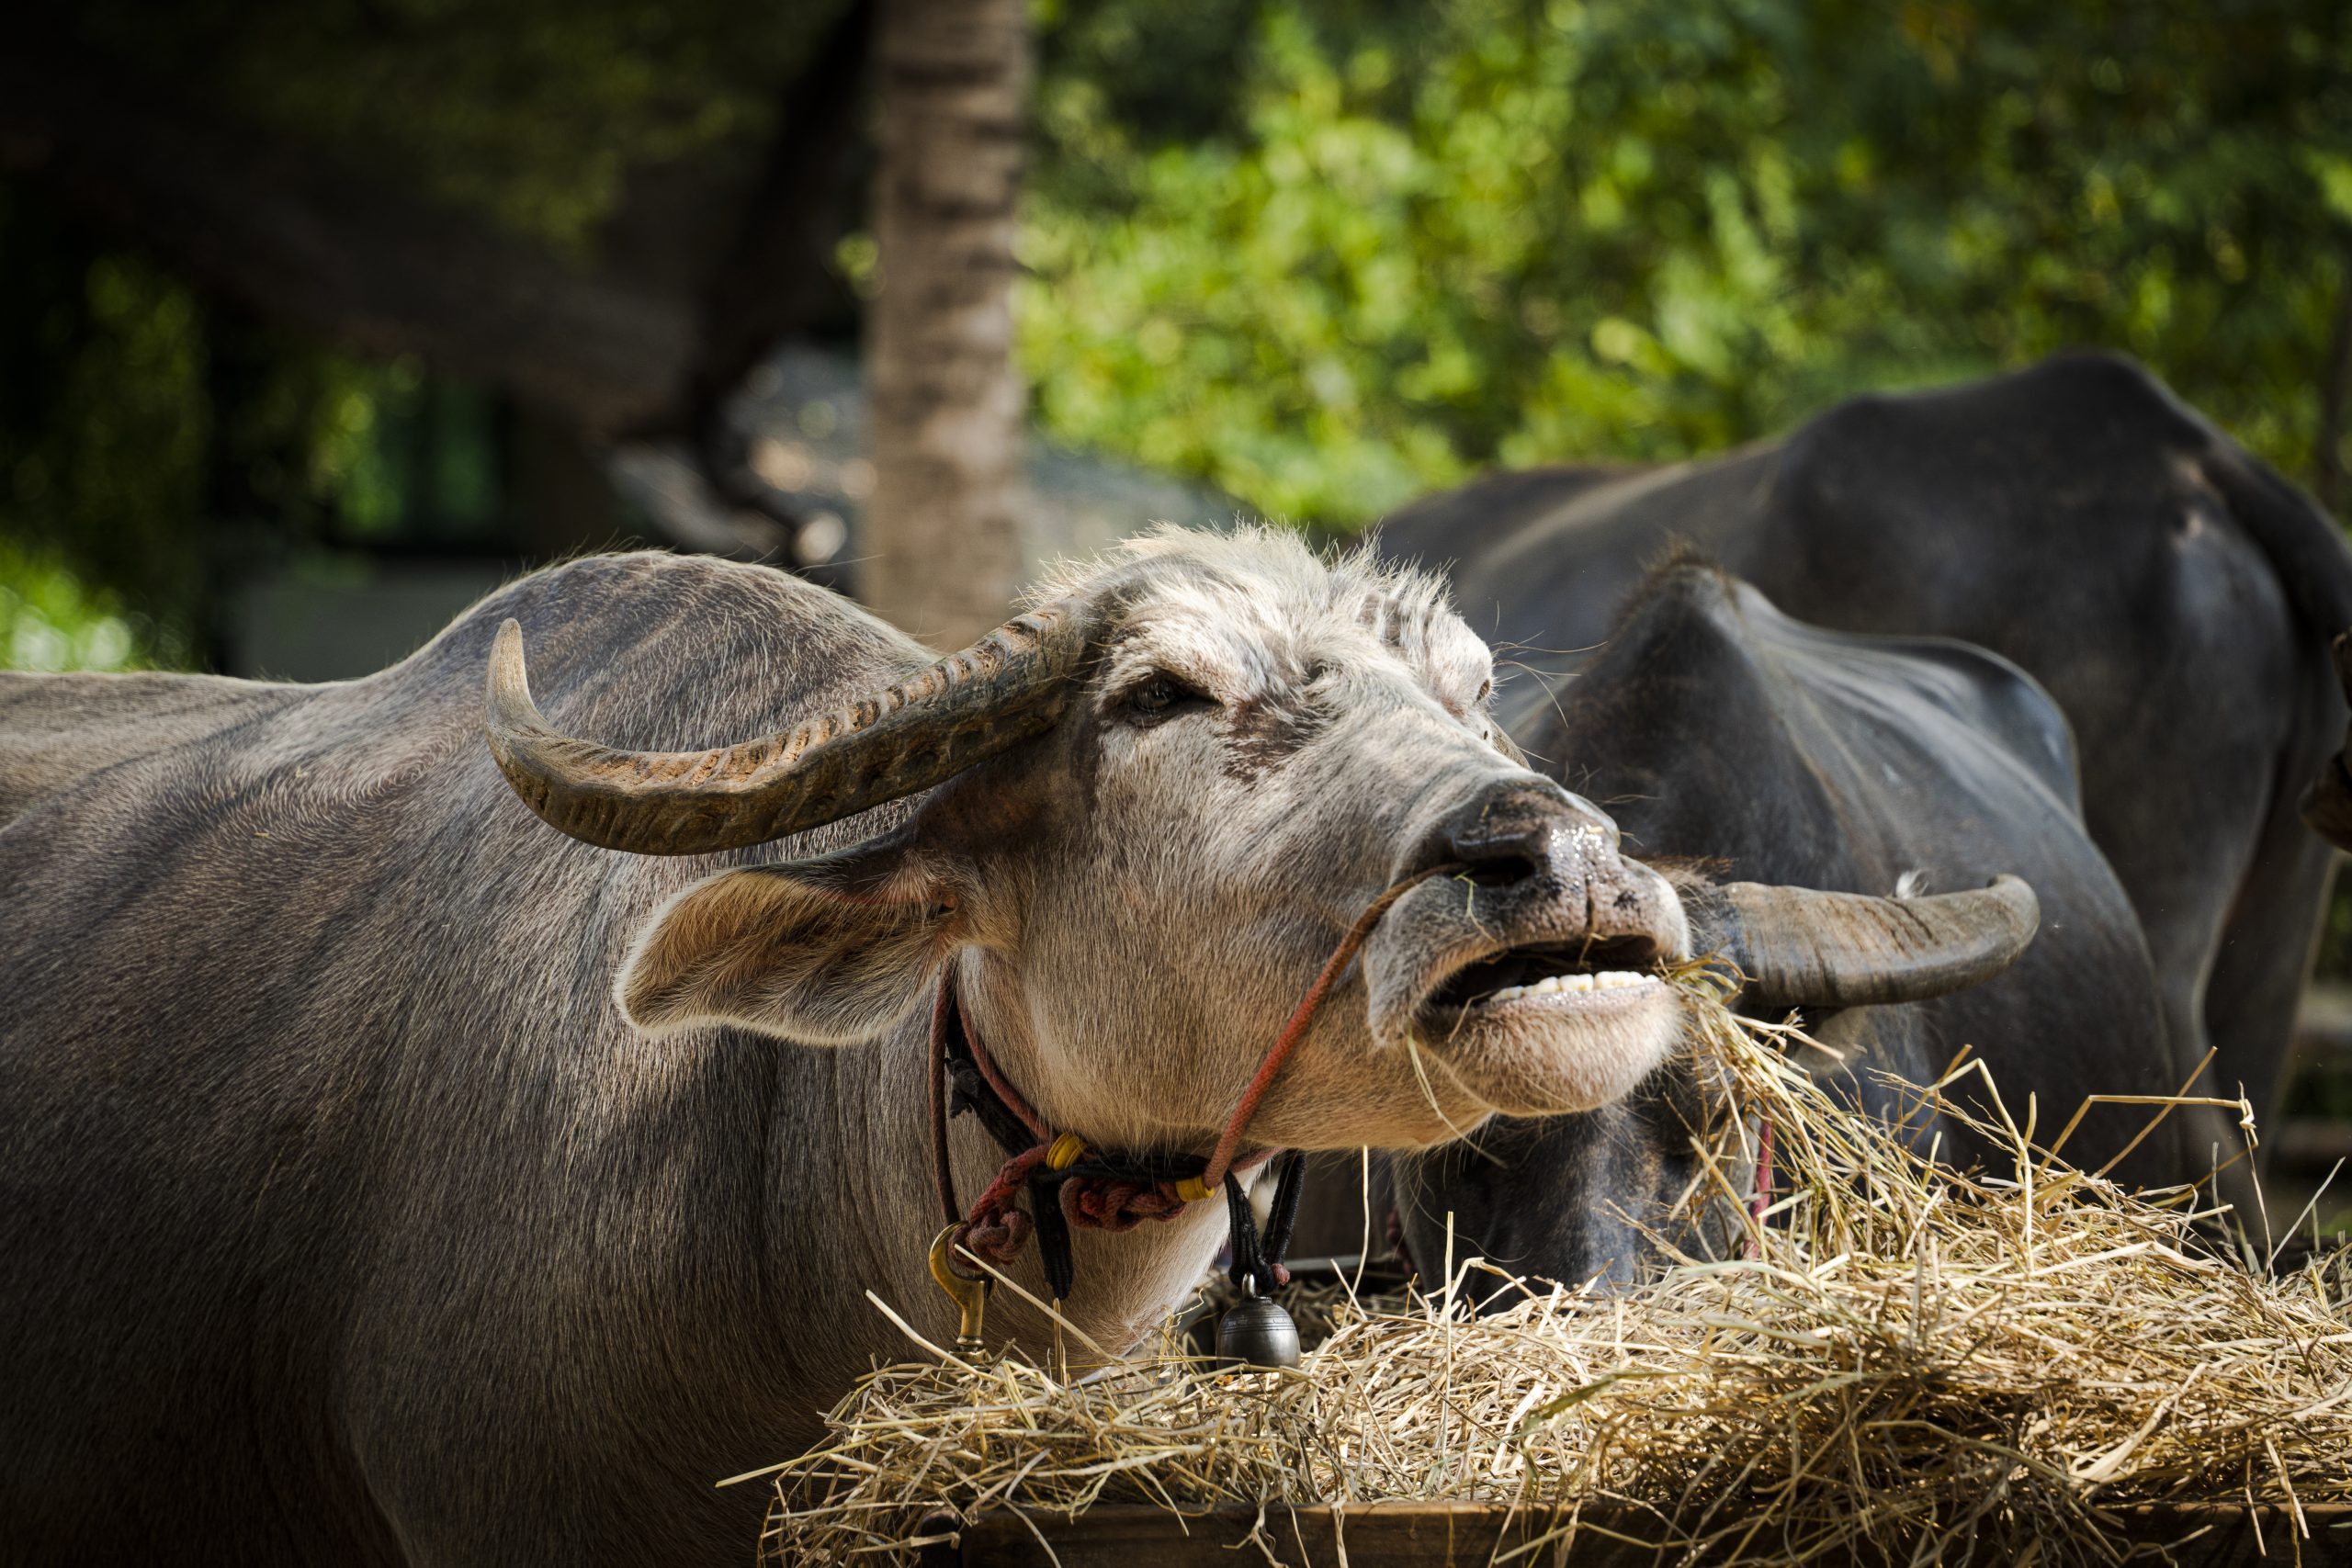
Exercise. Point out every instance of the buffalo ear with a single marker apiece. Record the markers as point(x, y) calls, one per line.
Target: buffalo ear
point(791, 951)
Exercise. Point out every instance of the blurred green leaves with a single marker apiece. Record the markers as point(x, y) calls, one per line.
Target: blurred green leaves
point(153, 442)
point(1327, 255)
point(104, 423)
point(1324, 254)
point(49, 620)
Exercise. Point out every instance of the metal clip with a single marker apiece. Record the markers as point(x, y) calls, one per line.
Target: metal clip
point(969, 1294)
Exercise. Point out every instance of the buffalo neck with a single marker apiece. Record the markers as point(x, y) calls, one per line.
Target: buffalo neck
point(856, 1210)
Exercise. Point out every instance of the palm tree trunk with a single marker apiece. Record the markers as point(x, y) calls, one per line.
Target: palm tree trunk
point(941, 534)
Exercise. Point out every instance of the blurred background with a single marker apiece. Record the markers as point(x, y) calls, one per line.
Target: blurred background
point(319, 320)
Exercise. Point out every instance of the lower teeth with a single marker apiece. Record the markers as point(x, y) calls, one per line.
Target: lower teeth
point(1607, 980)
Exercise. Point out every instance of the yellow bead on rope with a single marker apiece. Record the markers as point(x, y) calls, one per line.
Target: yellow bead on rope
point(1065, 1152)
point(1192, 1189)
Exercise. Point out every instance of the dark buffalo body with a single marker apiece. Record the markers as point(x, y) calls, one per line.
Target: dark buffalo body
point(1715, 728)
point(2174, 595)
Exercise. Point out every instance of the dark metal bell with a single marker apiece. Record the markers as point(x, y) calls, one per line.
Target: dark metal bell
point(1257, 1333)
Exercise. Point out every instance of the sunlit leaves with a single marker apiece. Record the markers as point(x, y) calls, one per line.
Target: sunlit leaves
point(1377, 247)
point(49, 620)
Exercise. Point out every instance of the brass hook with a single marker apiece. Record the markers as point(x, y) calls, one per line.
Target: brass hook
point(969, 1294)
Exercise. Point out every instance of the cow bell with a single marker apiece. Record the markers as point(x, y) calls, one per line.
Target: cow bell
point(1256, 1334)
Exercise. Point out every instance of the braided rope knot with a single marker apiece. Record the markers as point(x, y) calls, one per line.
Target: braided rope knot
point(997, 1223)
point(999, 1238)
point(995, 1227)
point(1100, 1203)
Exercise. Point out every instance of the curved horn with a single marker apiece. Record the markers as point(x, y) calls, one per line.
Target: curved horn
point(1008, 687)
point(1803, 948)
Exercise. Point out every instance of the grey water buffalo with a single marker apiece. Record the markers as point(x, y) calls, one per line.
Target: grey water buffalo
point(1730, 739)
point(391, 1178)
point(2176, 596)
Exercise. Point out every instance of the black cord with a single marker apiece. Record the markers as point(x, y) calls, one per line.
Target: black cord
point(1281, 1216)
point(1257, 1260)
point(1053, 1233)
point(1247, 1264)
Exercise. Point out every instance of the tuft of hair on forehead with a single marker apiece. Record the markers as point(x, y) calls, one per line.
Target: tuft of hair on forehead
point(1257, 560)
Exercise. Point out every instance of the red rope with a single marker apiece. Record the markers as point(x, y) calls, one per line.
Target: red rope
point(1301, 1018)
point(943, 1172)
point(995, 1227)
point(1097, 1204)
point(1761, 1198)
point(1006, 1092)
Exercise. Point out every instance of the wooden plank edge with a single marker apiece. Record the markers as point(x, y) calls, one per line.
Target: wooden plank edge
point(1424, 1535)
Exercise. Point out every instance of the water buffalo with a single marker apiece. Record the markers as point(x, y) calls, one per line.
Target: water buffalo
point(391, 1177)
point(2174, 595)
point(1723, 735)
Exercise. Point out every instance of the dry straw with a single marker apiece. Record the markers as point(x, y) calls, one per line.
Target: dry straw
point(1906, 1364)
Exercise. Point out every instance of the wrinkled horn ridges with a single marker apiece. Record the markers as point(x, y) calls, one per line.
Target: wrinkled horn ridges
point(1010, 685)
point(1801, 947)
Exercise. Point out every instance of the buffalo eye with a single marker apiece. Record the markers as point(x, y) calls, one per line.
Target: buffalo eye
point(1160, 697)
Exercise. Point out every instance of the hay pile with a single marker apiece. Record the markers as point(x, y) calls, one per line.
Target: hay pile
point(1914, 1365)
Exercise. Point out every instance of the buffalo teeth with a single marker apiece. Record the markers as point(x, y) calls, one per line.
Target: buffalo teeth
point(1607, 980)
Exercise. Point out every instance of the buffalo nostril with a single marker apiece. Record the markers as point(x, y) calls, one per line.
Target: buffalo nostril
point(1510, 836)
point(1498, 871)
point(1500, 853)
point(1504, 837)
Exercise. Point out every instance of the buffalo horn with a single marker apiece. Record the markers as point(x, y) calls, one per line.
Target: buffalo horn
point(1008, 686)
point(1800, 947)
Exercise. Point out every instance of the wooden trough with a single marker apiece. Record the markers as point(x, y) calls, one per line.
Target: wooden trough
point(1426, 1535)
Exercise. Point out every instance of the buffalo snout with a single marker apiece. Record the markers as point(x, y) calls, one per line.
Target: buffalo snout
point(1529, 962)
point(1527, 840)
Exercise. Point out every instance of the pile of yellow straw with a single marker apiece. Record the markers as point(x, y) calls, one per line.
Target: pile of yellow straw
point(1914, 1364)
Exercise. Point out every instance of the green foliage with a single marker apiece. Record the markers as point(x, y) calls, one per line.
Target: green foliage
point(161, 445)
point(51, 620)
point(1327, 256)
point(168, 445)
point(103, 420)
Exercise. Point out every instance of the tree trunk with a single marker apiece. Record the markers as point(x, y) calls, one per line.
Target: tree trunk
point(941, 531)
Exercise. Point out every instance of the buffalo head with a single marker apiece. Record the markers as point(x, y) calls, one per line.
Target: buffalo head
point(1136, 819)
